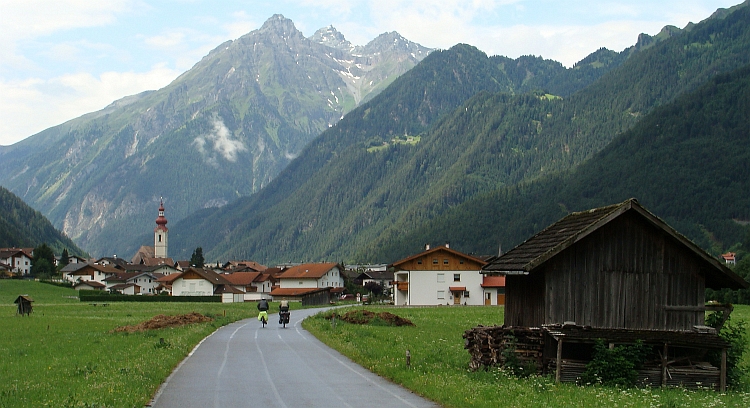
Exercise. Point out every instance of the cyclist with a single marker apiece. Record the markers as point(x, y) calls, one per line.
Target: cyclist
point(263, 311)
point(283, 311)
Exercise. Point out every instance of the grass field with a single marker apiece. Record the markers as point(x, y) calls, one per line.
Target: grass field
point(439, 365)
point(66, 355)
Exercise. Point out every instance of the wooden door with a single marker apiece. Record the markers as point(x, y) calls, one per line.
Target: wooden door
point(456, 298)
point(500, 299)
point(488, 299)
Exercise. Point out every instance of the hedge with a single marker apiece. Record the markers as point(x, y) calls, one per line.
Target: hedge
point(134, 298)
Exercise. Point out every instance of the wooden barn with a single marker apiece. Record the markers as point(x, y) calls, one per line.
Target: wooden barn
point(24, 304)
point(616, 273)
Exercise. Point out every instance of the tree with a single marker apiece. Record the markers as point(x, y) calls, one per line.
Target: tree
point(196, 259)
point(64, 258)
point(375, 288)
point(43, 261)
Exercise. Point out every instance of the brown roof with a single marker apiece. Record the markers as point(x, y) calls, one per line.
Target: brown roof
point(9, 252)
point(123, 286)
point(439, 249)
point(158, 261)
point(308, 271)
point(121, 276)
point(227, 289)
point(206, 274)
point(376, 275)
point(93, 284)
point(168, 279)
point(295, 291)
point(572, 228)
point(144, 251)
point(256, 267)
point(242, 278)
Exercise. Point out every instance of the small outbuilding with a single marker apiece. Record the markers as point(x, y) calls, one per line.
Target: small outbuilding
point(618, 274)
point(24, 304)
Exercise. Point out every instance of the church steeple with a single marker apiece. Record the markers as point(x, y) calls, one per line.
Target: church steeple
point(160, 233)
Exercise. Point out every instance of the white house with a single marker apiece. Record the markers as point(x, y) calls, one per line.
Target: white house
point(439, 276)
point(199, 282)
point(126, 288)
point(18, 259)
point(146, 281)
point(312, 275)
point(255, 285)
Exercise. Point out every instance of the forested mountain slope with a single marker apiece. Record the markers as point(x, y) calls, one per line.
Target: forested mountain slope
point(23, 227)
point(379, 173)
point(687, 162)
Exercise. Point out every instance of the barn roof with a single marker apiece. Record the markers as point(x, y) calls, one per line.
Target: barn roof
point(22, 298)
point(572, 228)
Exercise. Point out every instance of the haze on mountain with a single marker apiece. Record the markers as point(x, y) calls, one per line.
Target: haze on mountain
point(222, 130)
point(459, 126)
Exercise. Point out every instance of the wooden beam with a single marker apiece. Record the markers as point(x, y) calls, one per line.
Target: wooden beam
point(664, 362)
point(670, 308)
point(558, 367)
point(723, 374)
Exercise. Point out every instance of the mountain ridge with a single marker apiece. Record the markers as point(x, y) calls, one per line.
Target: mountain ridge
point(221, 130)
point(351, 202)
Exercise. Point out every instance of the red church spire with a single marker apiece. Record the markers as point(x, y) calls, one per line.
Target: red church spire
point(161, 221)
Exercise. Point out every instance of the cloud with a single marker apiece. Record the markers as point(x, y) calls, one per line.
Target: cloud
point(221, 142)
point(31, 105)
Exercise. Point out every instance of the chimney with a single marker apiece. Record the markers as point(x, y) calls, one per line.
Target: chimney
point(447, 244)
point(427, 247)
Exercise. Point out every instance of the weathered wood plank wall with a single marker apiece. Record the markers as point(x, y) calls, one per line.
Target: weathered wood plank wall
point(627, 274)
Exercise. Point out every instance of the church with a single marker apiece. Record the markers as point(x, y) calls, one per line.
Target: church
point(157, 254)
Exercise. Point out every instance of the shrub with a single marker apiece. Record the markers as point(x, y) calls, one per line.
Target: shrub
point(616, 366)
point(736, 334)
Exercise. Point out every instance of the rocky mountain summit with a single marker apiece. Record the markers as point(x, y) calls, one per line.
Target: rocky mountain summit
point(220, 131)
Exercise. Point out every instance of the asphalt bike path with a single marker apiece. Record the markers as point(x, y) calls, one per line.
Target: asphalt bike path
point(246, 365)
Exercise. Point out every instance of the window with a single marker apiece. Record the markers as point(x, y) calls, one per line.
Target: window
point(445, 261)
point(441, 277)
point(434, 261)
point(466, 293)
point(441, 294)
point(456, 277)
point(419, 262)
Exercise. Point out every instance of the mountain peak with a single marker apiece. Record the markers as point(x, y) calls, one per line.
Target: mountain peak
point(395, 41)
point(281, 26)
point(331, 37)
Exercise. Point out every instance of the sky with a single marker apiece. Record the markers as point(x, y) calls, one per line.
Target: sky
point(60, 59)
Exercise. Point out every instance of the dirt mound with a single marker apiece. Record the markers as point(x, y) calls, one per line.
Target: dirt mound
point(162, 321)
point(366, 316)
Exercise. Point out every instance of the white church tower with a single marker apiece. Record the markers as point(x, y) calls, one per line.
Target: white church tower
point(160, 234)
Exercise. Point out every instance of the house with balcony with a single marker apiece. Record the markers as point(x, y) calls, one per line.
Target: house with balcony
point(438, 276)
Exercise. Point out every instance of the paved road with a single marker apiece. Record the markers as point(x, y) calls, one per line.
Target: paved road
point(245, 365)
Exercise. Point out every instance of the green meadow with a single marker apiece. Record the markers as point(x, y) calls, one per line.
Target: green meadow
point(439, 364)
point(66, 355)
